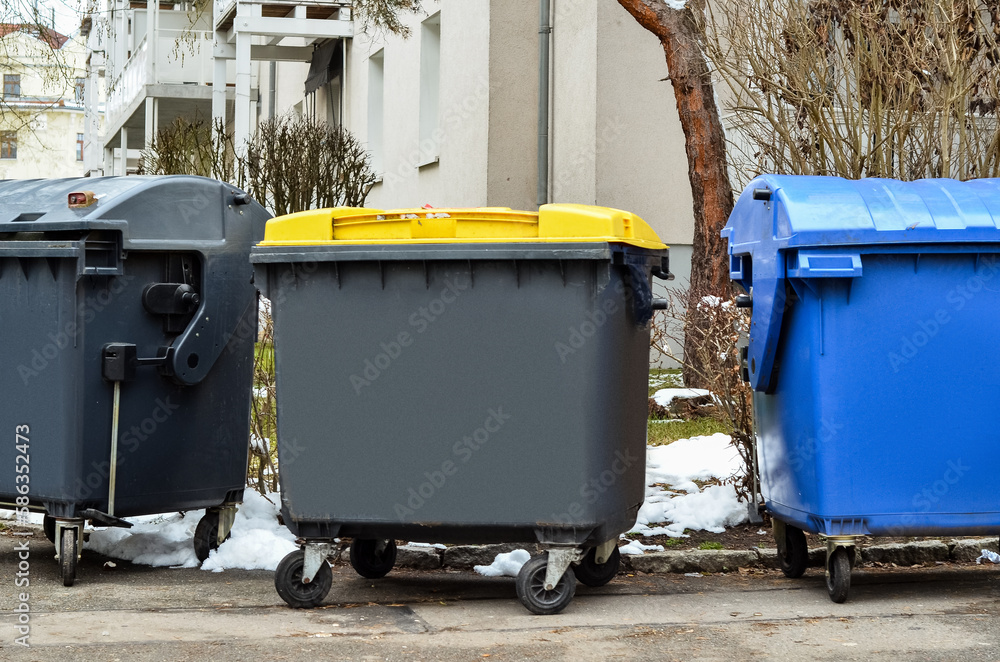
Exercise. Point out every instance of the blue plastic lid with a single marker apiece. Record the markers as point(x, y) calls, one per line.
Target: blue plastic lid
point(792, 229)
point(831, 211)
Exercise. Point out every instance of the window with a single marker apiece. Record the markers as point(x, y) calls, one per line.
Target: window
point(79, 147)
point(376, 95)
point(12, 86)
point(430, 78)
point(78, 90)
point(8, 144)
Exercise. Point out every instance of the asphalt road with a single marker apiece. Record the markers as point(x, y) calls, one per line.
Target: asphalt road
point(138, 613)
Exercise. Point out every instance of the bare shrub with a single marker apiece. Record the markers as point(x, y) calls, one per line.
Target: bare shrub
point(860, 88)
point(724, 328)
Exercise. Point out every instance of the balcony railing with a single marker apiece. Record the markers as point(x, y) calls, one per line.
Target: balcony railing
point(183, 57)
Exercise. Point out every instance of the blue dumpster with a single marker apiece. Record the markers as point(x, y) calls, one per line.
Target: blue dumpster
point(873, 357)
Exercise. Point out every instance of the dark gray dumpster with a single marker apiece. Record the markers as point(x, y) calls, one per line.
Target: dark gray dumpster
point(461, 376)
point(127, 325)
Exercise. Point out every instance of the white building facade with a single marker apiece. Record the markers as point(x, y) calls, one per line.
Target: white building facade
point(451, 115)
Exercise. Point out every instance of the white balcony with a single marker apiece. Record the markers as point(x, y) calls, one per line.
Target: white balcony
point(182, 58)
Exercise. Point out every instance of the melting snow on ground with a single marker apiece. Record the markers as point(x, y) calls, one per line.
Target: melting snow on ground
point(259, 542)
point(684, 505)
point(505, 565)
point(665, 396)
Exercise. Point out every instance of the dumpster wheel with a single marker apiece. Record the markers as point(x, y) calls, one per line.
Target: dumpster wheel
point(68, 556)
point(793, 556)
point(595, 574)
point(206, 535)
point(838, 574)
point(288, 582)
point(373, 559)
point(531, 589)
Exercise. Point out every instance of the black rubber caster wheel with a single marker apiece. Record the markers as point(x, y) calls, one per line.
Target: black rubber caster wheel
point(838, 575)
point(531, 591)
point(206, 535)
point(49, 528)
point(794, 560)
point(288, 582)
point(591, 573)
point(368, 562)
point(67, 556)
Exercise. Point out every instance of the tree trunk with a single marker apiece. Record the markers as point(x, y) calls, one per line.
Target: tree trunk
point(678, 32)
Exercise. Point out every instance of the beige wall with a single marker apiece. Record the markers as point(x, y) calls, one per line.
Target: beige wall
point(617, 140)
point(47, 148)
point(512, 159)
point(46, 138)
point(644, 167)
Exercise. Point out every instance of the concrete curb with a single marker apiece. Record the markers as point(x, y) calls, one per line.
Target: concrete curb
point(464, 557)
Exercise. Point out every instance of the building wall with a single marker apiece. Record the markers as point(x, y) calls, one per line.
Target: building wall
point(47, 117)
point(573, 114)
point(641, 162)
point(47, 147)
point(448, 168)
point(512, 156)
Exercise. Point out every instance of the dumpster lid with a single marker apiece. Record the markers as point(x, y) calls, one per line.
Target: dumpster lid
point(789, 229)
point(558, 223)
point(803, 211)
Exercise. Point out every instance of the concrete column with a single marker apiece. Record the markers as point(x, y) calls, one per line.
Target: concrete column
point(218, 88)
point(242, 120)
point(151, 121)
point(123, 157)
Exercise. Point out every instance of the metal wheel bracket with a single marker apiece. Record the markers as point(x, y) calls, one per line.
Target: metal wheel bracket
point(62, 525)
point(227, 517)
point(779, 535)
point(316, 554)
point(835, 542)
point(603, 551)
point(559, 562)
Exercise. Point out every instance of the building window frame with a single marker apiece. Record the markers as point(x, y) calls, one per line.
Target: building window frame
point(430, 89)
point(376, 111)
point(79, 147)
point(12, 86)
point(8, 145)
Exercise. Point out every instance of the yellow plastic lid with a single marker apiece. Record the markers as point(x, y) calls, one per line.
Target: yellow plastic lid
point(551, 224)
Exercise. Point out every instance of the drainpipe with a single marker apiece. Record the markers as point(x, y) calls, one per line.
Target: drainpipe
point(544, 32)
point(271, 91)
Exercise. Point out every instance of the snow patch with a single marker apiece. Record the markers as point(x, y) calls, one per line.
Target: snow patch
point(665, 396)
point(684, 505)
point(257, 541)
point(635, 547)
point(505, 565)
